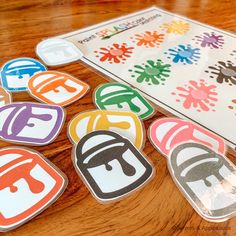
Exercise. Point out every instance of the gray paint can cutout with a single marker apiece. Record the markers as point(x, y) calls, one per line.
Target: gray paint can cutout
point(110, 165)
point(207, 179)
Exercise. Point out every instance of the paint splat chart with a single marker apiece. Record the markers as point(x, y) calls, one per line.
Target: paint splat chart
point(184, 66)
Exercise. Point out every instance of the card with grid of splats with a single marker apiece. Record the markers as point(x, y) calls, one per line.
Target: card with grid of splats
point(156, 52)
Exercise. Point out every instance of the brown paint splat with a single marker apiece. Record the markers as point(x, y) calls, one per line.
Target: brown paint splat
point(224, 72)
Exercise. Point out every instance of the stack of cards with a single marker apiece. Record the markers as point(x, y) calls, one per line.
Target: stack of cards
point(30, 183)
point(197, 164)
point(108, 143)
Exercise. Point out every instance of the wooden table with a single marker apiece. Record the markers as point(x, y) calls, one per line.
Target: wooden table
point(157, 209)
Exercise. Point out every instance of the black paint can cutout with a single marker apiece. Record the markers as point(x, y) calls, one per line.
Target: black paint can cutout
point(110, 165)
point(206, 178)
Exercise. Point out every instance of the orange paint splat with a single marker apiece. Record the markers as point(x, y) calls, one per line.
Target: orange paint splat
point(149, 39)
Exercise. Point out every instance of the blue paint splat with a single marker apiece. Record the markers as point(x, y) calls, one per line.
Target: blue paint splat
point(184, 53)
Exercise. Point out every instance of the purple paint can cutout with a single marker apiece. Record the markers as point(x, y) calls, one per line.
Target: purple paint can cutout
point(30, 123)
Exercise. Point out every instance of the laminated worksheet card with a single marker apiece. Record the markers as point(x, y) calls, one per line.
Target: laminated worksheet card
point(184, 66)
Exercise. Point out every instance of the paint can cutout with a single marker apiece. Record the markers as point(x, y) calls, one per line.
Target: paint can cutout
point(120, 97)
point(28, 185)
point(110, 165)
point(16, 73)
point(56, 88)
point(5, 97)
point(167, 133)
point(126, 124)
point(56, 51)
point(207, 179)
point(30, 123)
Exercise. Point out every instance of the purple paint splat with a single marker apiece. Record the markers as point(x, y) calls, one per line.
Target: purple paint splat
point(210, 40)
point(31, 123)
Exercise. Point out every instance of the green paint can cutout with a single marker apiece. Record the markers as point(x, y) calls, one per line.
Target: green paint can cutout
point(120, 97)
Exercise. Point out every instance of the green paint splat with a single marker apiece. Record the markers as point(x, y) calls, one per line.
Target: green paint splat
point(151, 72)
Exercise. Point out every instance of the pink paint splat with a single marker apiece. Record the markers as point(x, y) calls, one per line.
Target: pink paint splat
point(197, 95)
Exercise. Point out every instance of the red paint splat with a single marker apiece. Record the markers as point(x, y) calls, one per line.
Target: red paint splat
point(116, 53)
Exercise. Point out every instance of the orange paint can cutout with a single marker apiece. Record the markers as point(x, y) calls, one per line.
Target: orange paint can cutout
point(28, 185)
point(56, 88)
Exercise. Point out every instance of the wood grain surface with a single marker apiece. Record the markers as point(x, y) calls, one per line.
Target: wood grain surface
point(157, 209)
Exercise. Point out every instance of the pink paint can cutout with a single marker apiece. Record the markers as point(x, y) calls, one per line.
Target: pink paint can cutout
point(167, 133)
